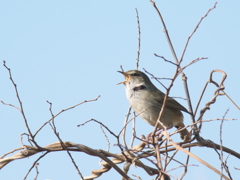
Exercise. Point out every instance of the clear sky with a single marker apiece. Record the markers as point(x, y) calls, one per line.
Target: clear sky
point(70, 51)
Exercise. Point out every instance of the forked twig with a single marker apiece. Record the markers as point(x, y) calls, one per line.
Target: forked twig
point(103, 125)
point(156, 78)
point(166, 32)
point(195, 29)
point(34, 164)
point(192, 62)
point(20, 103)
point(54, 128)
point(63, 110)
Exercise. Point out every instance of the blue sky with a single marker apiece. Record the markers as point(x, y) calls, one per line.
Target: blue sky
point(70, 51)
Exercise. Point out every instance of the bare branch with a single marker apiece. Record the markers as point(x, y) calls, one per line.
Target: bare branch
point(63, 110)
point(193, 61)
point(124, 129)
point(139, 40)
point(20, 103)
point(155, 78)
point(54, 128)
point(165, 59)
point(221, 144)
point(35, 164)
point(195, 29)
point(166, 32)
point(10, 105)
point(106, 137)
point(103, 125)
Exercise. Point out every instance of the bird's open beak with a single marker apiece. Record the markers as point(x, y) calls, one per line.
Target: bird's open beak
point(126, 77)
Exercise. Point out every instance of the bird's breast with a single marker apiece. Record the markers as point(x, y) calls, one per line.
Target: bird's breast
point(143, 106)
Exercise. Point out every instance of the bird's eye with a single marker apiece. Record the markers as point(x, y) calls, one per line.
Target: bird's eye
point(135, 74)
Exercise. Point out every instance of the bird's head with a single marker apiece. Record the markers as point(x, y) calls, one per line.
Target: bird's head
point(135, 78)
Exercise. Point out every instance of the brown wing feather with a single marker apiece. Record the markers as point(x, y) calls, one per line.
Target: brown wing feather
point(171, 103)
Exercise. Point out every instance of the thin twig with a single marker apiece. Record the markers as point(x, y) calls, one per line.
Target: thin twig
point(155, 78)
point(34, 164)
point(186, 165)
point(139, 40)
point(37, 172)
point(10, 105)
point(63, 110)
point(195, 29)
point(106, 137)
point(193, 61)
point(133, 131)
point(165, 59)
point(20, 103)
point(166, 32)
point(221, 144)
point(125, 128)
point(226, 168)
point(111, 132)
point(54, 128)
point(103, 125)
point(182, 166)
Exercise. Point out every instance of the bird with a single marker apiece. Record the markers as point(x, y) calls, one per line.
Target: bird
point(147, 100)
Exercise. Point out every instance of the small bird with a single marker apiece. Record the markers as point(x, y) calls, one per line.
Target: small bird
point(146, 100)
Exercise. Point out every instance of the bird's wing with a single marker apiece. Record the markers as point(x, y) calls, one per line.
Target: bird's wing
point(174, 104)
point(171, 103)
